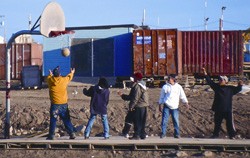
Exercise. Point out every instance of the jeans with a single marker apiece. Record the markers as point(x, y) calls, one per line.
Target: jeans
point(91, 122)
point(175, 117)
point(62, 111)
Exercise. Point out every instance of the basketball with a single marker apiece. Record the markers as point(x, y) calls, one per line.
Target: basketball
point(65, 52)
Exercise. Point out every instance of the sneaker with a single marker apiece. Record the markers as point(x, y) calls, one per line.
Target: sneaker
point(86, 137)
point(177, 136)
point(126, 135)
point(134, 138)
point(106, 137)
point(214, 136)
point(162, 136)
point(72, 136)
point(50, 138)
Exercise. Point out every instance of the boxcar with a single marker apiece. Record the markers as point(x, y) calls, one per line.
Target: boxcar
point(169, 51)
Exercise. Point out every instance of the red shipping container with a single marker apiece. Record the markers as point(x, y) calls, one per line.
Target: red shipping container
point(20, 55)
point(220, 52)
point(155, 52)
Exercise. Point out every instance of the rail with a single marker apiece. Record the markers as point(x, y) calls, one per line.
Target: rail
point(118, 143)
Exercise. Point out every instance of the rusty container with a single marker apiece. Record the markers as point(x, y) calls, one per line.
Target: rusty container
point(220, 52)
point(155, 52)
point(20, 55)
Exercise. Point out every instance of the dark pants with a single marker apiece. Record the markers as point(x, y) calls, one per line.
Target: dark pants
point(129, 119)
point(218, 117)
point(140, 122)
point(62, 111)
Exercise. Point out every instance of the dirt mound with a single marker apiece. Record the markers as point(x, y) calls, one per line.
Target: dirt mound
point(30, 112)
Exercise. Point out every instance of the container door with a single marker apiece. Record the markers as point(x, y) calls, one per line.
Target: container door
point(143, 52)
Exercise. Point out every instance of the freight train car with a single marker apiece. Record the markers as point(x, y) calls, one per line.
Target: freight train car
point(158, 53)
point(25, 54)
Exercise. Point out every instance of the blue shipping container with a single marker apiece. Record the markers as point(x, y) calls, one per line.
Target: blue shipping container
point(247, 57)
point(108, 57)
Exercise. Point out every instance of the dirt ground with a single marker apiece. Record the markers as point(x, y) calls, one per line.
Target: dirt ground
point(30, 115)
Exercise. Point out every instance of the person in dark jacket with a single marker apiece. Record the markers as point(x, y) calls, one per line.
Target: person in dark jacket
point(129, 118)
point(222, 104)
point(138, 103)
point(98, 106)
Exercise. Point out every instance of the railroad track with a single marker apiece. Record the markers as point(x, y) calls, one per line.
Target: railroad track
point(118, 143)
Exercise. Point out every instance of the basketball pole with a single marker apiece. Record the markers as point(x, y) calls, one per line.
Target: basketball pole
point(7, 69)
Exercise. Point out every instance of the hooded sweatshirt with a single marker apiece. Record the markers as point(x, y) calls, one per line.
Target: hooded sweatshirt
point(99, 99)
point(58, 88)
point(138, 95)
point(171, 95)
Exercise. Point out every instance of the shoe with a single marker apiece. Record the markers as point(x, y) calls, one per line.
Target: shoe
point(232, 137)
point(214, 136)
point(72, 136)
point(78, 129)
point(50, 138)
point(162, 136)
point(126, 135)
point(178, 137)
point(106, 137)
point(134, 138)
point(86, 137)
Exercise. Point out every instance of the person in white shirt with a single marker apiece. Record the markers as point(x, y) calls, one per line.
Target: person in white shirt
point(171, 94)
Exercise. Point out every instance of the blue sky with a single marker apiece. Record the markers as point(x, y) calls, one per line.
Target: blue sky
point(180, 14)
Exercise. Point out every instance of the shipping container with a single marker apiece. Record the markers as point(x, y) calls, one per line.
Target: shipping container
point(157, 52)
point(52, 55)
point(109, 57)
point(20, 55)
point(95, 51)
point(163, 52)
point(220, 52)
point(31, 77)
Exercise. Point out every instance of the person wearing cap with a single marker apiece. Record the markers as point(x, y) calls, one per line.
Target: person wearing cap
point(170, 95)
point(98, 106)
point(138, 103)
point(222, 104)
point(59, 101)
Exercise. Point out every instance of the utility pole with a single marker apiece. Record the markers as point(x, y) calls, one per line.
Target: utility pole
point(206, 20)
point(2, 24)
point(144, 17)
point(205, 16)
point(221, 19)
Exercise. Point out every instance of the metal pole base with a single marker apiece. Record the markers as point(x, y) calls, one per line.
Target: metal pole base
point(7, 131)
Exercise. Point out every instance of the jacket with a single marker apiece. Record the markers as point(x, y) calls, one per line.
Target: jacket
point(171, 95)
point(99, 99)
point(223, 96)
point(58, 88)
point(138, 96)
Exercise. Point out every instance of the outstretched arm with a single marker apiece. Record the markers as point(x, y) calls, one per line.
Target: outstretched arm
point(208, 79)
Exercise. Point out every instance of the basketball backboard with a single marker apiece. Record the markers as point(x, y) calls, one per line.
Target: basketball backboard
point(52, 19)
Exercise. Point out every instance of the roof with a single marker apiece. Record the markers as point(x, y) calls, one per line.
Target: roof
point(102, 27)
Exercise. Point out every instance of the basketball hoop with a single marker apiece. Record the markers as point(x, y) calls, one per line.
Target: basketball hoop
point(59, 33)
point(52, 19)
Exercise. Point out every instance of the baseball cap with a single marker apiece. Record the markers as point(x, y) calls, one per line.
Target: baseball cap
point(56, 71)
point(224, 78)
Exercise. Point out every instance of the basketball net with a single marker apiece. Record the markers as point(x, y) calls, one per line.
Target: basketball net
point(65, 37)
